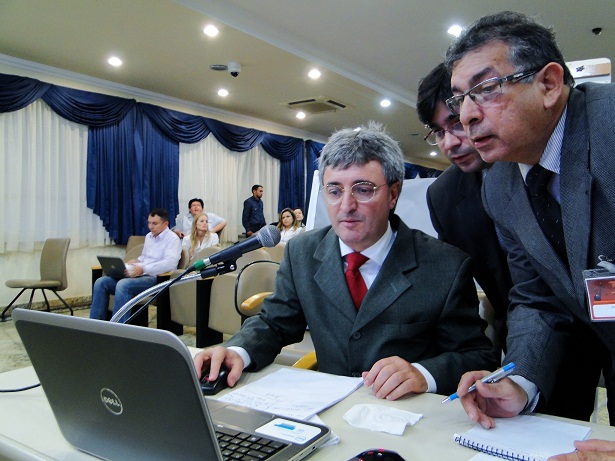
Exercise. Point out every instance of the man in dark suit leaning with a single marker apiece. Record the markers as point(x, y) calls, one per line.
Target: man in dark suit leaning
point(514, 94)
point(417, 328)
point(454, 199)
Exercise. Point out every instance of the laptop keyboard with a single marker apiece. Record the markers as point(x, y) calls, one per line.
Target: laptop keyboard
point(242, 446)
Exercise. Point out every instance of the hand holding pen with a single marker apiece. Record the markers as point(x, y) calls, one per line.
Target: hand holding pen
point(491, 378)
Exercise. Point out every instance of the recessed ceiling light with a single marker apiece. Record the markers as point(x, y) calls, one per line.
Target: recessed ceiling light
point(115, 61)
point(222, 92)
point(385, 102)
point(210, 30)
point(455, 30)
point(300, 115)
point(433, 153)
point(314, 74)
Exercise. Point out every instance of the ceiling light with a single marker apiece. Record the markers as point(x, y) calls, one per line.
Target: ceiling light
point(455, 30)
point(222, 92)
point(314, 74)
point(433, 153)
point(211, 30)
point(300, 115)
point(115, 61)
point(385, 102)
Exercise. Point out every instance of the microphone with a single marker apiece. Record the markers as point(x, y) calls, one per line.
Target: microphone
point(268, 236)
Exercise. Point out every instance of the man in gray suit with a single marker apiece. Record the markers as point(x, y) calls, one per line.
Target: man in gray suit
point(417, 328)
point(514, 95)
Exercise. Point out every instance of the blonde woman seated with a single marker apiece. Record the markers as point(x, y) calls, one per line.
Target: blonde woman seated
point(200, 237)
point(288, 225)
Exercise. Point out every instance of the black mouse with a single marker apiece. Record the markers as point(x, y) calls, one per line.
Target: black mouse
point(211, 387)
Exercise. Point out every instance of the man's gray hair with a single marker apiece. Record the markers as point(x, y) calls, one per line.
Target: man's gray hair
point(531, 45)
point(359, 146)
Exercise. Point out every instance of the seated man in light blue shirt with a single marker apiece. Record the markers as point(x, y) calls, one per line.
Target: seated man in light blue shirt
point(161, 252)
point(183, 223)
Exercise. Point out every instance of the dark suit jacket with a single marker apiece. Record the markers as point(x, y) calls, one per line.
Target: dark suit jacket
point(548, 296)
point(422, 307)
point(457, 214)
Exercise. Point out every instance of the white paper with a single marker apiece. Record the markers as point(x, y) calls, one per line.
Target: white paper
point(294, 393)
point(531, 436)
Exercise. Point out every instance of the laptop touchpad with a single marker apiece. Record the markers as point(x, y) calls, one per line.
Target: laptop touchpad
point(237, 416)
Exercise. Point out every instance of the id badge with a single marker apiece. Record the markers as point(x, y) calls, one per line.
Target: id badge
point(600, 286)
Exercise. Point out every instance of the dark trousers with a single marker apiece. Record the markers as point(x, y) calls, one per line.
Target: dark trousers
point(575, 390)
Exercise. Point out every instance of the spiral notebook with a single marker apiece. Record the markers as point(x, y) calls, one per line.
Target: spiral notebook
point(524, 438)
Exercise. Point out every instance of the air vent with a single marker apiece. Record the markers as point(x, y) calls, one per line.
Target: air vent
point(316, 105)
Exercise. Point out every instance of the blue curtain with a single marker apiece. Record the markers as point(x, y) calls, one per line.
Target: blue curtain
point(19, 92)
point(412, 171)
point(292, 182)
point(133, 151)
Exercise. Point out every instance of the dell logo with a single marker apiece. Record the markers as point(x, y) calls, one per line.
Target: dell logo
point(111, 401)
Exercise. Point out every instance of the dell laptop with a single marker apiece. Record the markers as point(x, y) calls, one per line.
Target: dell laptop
point(123, 392)
point(113, 266)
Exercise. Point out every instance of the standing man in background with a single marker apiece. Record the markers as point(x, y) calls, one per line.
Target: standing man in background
point(253, 216)
point(454, 199)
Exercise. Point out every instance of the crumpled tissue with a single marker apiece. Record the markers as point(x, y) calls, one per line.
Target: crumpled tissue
point(381, 418)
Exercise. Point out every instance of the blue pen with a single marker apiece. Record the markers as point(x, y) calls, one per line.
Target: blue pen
point(492, 378)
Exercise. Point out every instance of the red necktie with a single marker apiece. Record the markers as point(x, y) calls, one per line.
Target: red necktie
point(356, 284)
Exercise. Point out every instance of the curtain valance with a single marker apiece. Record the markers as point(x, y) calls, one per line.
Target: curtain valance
point(133, 150)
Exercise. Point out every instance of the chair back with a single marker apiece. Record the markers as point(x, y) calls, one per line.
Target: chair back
point(134, 252)
point(256, 255)
point(182, 300)
point(133, 241)
point(276, 252)
point(256, 277)
point(183, 297)
point(53, 261)
point(183, 259)
point(205, 253)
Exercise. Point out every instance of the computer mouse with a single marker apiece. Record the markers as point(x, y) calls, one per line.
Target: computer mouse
point(211, 387)
point(378, 454)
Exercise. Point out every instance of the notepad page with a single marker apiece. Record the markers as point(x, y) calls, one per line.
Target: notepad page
point(294, 392)
point(526, 437)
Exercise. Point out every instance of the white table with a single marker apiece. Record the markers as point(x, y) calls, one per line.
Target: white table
point(28, 430)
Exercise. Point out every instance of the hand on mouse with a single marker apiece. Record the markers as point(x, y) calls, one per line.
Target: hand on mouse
point(210, 361)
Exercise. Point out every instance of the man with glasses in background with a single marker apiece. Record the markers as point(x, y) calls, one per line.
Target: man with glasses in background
point(552, 149)
point(383, 302)
point(454, 199)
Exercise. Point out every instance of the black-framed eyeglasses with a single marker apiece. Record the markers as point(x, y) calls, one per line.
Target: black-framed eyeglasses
point(487, 90)
point(361, 191)
point(436, 136)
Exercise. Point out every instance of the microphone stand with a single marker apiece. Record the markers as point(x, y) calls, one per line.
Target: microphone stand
point(157, 290)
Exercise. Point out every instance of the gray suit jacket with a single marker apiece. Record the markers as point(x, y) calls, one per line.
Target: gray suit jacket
point(422, 307)
point(548, 296)
point(457, 214)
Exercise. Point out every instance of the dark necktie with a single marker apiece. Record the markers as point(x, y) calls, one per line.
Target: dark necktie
point(546, 208)
point(355, 281)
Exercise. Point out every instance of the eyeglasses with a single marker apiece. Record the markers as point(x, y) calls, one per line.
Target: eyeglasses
point(436, 136)
point(361, 191)
point(486, 91)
